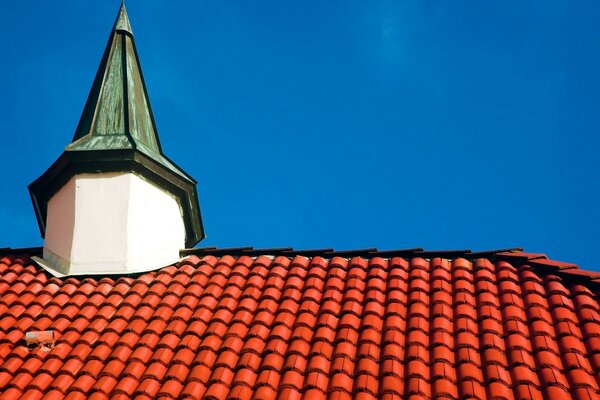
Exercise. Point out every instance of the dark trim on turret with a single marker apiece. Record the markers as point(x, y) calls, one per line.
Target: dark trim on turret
point(72, 163)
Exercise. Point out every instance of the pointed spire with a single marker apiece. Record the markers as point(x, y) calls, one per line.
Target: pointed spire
point(122, 22)
point(117, 114)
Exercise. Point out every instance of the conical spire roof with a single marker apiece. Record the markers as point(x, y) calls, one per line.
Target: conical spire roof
point(117, 114)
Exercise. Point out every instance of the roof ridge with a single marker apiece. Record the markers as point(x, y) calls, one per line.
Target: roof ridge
point(539, 261)
point(365, 252)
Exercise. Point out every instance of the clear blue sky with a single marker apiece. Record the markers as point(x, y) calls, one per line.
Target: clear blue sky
point(344, 124)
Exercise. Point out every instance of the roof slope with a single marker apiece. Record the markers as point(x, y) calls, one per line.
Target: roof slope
point(508, 325)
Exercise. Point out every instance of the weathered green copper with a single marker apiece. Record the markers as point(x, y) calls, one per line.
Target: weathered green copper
point(122, 22)
point(117, 132)
point(117, 114)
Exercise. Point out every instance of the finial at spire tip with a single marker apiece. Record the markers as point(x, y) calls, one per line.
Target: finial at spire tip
point(122, 22)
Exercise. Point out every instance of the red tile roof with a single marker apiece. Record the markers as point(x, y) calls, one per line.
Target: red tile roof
point(505, 325)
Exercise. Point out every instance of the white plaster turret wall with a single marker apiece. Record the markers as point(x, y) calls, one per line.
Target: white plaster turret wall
point(111, 223)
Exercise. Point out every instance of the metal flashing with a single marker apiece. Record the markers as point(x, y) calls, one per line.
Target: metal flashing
point(54, 272)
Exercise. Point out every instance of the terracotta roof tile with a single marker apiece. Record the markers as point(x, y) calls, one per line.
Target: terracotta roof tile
point(508, 325)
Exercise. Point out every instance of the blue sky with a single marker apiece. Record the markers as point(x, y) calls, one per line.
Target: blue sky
point(344, 124)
